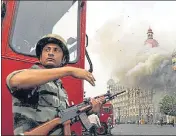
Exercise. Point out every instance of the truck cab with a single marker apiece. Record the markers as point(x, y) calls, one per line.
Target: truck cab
point(23, 24)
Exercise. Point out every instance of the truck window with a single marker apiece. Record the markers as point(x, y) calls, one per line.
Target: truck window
point(34, 19)
point(106, 109)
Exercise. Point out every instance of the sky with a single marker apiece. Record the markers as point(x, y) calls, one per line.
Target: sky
point(103, 18)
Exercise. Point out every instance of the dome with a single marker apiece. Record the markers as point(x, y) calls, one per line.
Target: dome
point(151, 42)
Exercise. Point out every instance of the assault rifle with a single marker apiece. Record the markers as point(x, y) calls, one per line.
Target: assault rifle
point(73, 114)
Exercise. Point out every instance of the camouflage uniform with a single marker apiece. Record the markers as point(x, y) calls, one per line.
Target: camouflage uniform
point(35, 106)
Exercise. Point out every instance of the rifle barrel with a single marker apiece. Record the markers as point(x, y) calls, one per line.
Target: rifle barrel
point(119, 93)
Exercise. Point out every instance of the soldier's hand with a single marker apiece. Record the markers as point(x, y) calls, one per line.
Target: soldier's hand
point(83, 74)
point(96, 104)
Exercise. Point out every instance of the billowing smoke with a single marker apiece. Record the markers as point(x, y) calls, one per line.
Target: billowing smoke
point(154, 73)
point(121, 47)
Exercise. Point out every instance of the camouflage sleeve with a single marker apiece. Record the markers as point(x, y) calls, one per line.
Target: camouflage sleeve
point(8, 80)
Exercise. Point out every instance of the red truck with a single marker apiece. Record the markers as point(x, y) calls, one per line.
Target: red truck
point(23, 24)
point(105, 112)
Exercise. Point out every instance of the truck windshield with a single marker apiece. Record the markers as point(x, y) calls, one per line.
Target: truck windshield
point(34, 19)
point(106, 109)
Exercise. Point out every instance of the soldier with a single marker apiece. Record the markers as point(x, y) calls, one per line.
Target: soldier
point(37, 92)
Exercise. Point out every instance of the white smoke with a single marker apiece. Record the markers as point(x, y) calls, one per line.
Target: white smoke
point(122, 47)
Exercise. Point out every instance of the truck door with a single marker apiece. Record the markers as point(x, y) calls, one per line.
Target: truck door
point(25, 22)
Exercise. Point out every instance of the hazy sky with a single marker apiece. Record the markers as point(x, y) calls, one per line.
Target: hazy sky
point(160, 15)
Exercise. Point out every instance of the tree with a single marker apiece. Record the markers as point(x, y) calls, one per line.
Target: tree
point(168, 105)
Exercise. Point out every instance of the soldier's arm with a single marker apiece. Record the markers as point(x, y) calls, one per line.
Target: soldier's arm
point(34, 77)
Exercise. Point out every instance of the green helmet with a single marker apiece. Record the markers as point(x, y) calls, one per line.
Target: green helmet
point(56, 39)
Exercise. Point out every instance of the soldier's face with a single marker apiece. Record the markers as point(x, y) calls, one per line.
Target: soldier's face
point(51, 56)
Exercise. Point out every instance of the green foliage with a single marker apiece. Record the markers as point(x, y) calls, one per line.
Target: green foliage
point(168, 105)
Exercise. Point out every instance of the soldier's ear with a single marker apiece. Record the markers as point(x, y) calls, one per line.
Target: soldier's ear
point(40, 59)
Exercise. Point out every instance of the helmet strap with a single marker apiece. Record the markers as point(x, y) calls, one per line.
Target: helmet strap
point(63, 61)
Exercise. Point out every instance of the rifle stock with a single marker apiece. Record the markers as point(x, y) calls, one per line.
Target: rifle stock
point(45, 128)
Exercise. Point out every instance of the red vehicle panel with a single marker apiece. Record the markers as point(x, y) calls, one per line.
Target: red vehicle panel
point(105, 112)
point(13, 60)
